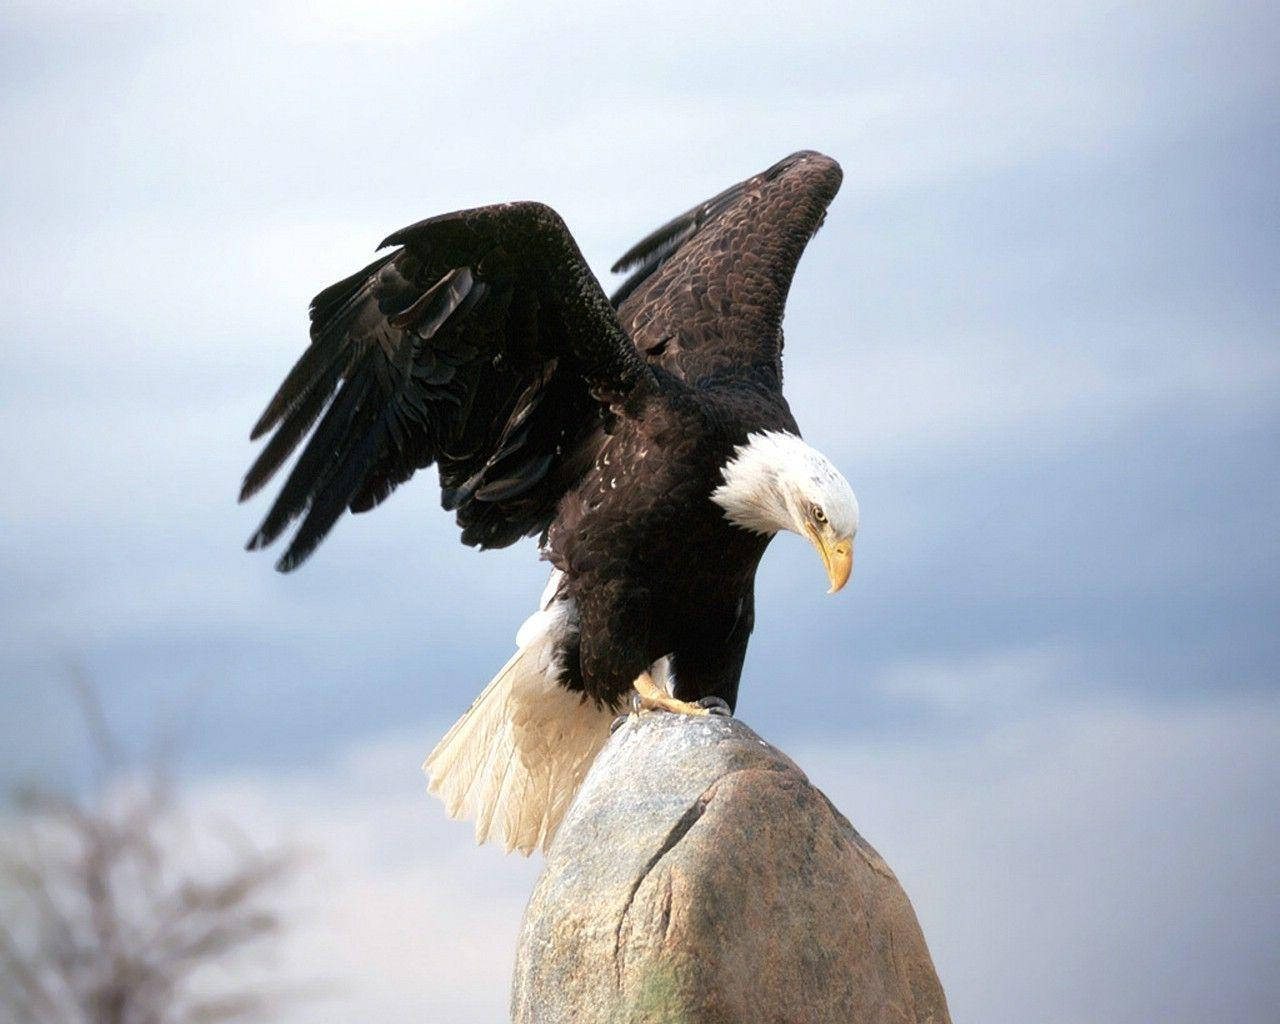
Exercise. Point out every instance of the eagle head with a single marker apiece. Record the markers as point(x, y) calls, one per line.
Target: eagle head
point(777, 482)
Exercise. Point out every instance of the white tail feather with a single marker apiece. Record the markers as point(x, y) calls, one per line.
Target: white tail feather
point(517, 757)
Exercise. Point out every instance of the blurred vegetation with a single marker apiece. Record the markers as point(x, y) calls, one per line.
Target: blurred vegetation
point(115, 908)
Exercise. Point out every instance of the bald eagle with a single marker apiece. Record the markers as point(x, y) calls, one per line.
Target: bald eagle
point(644, 439)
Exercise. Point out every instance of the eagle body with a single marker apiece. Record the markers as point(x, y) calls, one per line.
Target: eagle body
point(650, 562)
point(643, 438)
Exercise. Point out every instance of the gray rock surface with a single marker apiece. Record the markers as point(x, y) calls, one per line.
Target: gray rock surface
point(700, 877)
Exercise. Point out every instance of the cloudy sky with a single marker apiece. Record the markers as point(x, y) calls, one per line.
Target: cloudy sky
point(1038, 332)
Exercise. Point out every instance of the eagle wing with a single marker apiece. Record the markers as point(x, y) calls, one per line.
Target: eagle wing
point(482, 343)
point(707, 289)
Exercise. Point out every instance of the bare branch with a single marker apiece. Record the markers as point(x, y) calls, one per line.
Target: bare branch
point(110, 916)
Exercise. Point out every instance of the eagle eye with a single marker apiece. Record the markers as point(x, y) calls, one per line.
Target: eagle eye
point(817, 513)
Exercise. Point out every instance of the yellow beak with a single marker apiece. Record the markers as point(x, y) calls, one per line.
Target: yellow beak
point(837, 558)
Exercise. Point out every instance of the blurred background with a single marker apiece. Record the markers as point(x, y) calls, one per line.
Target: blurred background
point(1038, 332)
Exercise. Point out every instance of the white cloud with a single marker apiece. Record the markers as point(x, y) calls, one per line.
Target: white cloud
point(398, 917)
point(1094, 863)
point(1001, 680)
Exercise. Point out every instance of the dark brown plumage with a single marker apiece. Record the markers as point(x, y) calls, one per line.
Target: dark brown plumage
point(483, 344)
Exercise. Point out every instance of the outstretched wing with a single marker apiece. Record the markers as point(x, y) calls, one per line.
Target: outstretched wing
point(483, 344)
point(707, 289)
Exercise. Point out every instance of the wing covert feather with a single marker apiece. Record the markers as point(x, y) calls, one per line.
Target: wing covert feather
point(707, 289)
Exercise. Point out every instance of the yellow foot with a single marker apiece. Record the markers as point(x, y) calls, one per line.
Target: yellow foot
point(652, 697)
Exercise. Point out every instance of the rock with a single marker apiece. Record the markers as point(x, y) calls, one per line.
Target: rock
point(700, 877)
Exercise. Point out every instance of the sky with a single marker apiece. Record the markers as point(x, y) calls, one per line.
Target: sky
point(1037, 332)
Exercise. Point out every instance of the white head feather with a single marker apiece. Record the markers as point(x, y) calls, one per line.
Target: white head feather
point(777, 482)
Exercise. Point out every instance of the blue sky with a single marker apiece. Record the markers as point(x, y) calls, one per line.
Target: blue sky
point(1038, 332)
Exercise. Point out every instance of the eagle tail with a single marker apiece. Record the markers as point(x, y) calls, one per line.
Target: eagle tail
point(515, 760)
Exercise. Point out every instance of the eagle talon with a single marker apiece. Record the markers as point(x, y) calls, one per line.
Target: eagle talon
point(649, 696)
point(616, 724)
point(716, 706)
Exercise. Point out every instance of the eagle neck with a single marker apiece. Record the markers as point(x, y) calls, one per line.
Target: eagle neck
point(751, 492)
